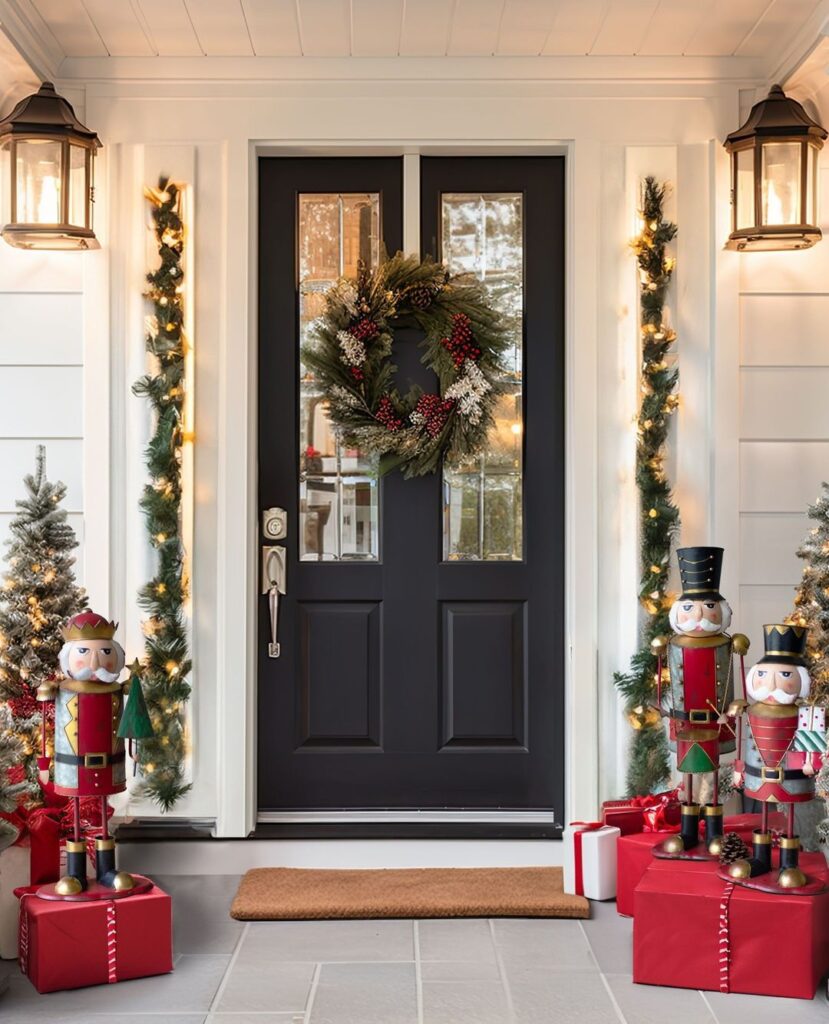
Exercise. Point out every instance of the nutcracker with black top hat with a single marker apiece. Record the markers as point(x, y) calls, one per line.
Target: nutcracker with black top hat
point(701, 687)
point(767, 767)
point(91, 725)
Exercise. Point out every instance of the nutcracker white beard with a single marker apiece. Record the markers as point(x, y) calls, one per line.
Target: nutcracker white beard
point(705, 624)
point(85, 674)
point(760, 693)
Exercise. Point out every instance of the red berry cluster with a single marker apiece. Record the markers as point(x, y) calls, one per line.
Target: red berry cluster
point(365, 329)
point(461, 342)
point(386, 416)
point(435, 410)
point(24, 706)
point(357, 373)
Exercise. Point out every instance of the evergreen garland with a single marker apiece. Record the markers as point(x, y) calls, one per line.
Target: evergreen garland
point(648, 766)
point(351, 358)
point(38, 595)
point(166, 653)
point(812, 598)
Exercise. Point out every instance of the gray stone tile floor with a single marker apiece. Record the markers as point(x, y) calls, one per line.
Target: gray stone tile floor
point(505, 971)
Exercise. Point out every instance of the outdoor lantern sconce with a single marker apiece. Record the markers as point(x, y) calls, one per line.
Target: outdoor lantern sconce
point(46, 182)
point(774, 177)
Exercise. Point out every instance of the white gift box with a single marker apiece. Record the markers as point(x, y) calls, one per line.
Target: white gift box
point(590, 860)
point(14, 872)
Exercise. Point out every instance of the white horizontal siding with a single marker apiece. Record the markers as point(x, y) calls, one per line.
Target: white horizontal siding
point(41, 378)
point(784, 420)
point(40, 329)
point(781, 476)
point(784, 330)
point(760, 604)
point(788, 403)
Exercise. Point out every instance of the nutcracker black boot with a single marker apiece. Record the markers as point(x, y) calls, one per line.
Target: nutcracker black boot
point(688, 836)
point(790, 877)
point(74, 881)
point(714, 828)
point(105, 866)
point(761, 861)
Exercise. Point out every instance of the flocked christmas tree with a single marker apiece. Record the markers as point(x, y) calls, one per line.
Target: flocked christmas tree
point(38, 594)
point(812, 598)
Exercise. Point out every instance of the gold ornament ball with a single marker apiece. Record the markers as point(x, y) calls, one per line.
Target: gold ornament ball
point(673, 844)
point(791, 878)
point(740, 869)
point(123, 882)
point(740, 643)
point(68, 886)
point(715, 846)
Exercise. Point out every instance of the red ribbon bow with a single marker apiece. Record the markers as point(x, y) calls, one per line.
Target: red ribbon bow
point(38, 828)
point(655, 811)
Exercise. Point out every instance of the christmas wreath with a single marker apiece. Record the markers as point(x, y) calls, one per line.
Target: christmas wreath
point(350, 356)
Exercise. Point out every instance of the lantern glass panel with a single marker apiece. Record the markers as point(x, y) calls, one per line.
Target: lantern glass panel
point(38, 181)
point(5, 182)
point(77, 186)
point(811, 186)
point(745, 188)
point(781, 183)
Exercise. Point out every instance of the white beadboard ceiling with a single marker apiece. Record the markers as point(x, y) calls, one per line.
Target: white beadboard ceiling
point(69, 29)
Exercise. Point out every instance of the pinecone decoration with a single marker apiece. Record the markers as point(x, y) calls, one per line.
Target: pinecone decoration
point(733, 848)
point(421, 296)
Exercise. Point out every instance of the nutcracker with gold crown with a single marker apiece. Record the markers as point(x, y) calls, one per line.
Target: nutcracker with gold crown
point(91, 725)
point(701, 687)
point(771, 767)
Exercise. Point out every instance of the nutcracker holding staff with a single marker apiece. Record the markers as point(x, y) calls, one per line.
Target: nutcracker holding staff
point(699, 658)
point(771, 766)
point(90, 727)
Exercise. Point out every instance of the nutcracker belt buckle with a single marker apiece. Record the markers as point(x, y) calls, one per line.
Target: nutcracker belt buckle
point(94, 760)
point(699, 717)
point(771, 774)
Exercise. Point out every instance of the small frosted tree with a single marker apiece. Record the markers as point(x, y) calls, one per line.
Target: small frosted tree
point(812, 598)
point(38, 594)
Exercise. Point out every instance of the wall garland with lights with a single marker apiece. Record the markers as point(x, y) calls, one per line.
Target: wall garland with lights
point(648, 765)
point(166, 661)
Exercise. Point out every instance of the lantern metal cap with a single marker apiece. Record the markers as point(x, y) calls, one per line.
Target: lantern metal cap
point(46, 112)
point(777, 114)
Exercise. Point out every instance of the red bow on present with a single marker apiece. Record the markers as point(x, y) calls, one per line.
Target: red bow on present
point(655, 811)
point(670, 796)
point(38, 828)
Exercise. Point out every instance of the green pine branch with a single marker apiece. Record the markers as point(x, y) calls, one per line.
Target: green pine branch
point(648, 766)
point(166, 663)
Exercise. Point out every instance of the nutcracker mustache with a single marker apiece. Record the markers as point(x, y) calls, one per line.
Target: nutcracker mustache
point(100, 674)
point(703, 624)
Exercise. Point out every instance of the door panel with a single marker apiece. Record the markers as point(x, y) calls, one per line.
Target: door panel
point(422, 630)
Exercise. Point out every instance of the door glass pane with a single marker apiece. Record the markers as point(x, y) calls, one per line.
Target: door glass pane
point(482, 235)
point(339, 511)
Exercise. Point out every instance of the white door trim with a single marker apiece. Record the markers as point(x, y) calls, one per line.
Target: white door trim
point(238, 535)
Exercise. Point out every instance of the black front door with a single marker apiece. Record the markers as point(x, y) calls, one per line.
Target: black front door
point(422, 632)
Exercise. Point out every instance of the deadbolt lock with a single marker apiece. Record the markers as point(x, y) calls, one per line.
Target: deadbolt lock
point(275, 523)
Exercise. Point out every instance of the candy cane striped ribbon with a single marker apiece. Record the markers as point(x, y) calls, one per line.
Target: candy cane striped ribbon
point(725, 939)
point(23, 935)
point(112, 944)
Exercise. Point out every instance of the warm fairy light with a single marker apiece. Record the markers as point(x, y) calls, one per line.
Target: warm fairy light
point(160, 538)
point(172, 668)
point(161, 588)
point(652, 513)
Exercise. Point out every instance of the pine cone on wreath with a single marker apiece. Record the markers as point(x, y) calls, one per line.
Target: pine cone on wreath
point(421, 296)
point(733, 848)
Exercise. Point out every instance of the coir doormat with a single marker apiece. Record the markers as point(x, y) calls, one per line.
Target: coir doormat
point(289, 894)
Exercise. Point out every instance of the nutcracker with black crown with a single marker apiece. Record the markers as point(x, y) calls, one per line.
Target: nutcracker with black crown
point(91, 724)
point(769, 767)
point(701, 687)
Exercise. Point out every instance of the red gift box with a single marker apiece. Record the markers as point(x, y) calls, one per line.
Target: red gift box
point(635, 852)
point(64, 944)
point(692, 929)
point(629, 815)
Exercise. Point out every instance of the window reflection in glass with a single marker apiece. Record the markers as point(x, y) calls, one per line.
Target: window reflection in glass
point(482, 235)
point(338, 493)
